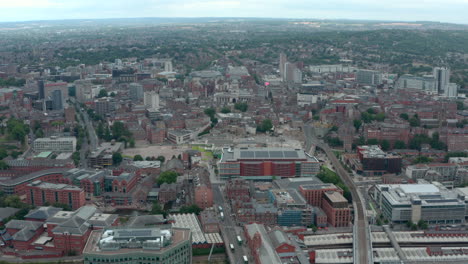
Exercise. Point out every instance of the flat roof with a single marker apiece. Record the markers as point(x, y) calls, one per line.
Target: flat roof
point(236, 154)
point(44, 154)
point(419, 188)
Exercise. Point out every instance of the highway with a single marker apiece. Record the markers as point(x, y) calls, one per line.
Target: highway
point(229, 228)
point(359, 209)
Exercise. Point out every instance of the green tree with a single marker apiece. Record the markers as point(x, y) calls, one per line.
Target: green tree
point(210, 112)
point(3, 165)
point(372, 141)
point(414, 121)
point(460, 105)
point(76, 158)
point(102, 93)
point(357, 124)
point(119, 130)
point(131, 142)
point(190, 209)
point(422, 159)
point(380, 117)
point(167, 177)
point(157, 209)
point(137, 158)
point(100, 130)
point(371, 111)
point(117, 158)
point(399, 144)
point(366, 117)
point(226, 110)
point(242, 106)
point(265, 126)
point(455, 154)
point(385, 145)
point(404, 116)
point(422, 224)
point(161, 159)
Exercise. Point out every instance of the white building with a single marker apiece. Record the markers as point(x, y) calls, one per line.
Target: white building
point(57, 144)
point(369, 77)
point(426, 83)
point(151, 100)
point(442, 78)
point(451, 90)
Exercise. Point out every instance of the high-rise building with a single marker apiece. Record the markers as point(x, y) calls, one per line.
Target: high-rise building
point(451, 90)
point(57, 100)
point(40, 87)
point(426, 83)
point(151, 100)
point(369, 77)
point(136, 91)
point(292, 73)
point(442, 78)
point(282, 61)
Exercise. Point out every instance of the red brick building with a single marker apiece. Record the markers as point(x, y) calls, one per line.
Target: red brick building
point(313, 193)
point(17, 184)
point(336, 208)
point(238, 189)
point(203, 196)
point(23, 233)
point(39, 193)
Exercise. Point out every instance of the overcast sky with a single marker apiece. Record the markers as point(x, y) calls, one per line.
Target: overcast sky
point(455, 11)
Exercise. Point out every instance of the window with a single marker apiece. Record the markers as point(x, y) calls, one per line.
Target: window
point(56, 197)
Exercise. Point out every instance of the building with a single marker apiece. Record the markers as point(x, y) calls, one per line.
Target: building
point(55, 144)
point(377, 162)
point(57, 100)
point(203, 196)
point(313, 193)
point(41, 193)
point(180, 136)
point(70, 114)
point(292, 73)
point(238, 189)
point(102, 156)
point(49, 88)
point(442, 78)
point(337, 209)
point(151, 100)
point(293, 210)
point(266, 163)
point(200, 239)
point(368, 77)
point(261, 247)
point(432, 203)
point(451, 90)
point(209, 220)
point(282, 61)
point(104, 106)
point(139, 245)
point(426, 83)
point(18, 185)
point(136, 91)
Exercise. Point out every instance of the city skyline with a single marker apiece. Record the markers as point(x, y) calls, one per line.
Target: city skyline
point(398, 10)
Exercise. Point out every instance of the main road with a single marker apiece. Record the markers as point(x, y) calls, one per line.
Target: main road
point(361, 225)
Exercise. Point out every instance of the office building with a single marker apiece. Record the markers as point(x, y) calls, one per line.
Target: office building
point(292, 73)
point(451, 90)
point(377, 162)
point(55, 144)
point(432, 203)
point(57, 100)
point(104, 106)
point(282, 61)
point(266, 163)
point(49, 88)
point(41, 193)
point(368, 77)
point(41, 89)
point(151, 100)
point(426, 83)
point(442, 78)
point(102, 156)
point(136, 91)
point(313, 193)
point(139, 245)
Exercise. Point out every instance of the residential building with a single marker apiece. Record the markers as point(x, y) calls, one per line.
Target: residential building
point(442, 78)
point(151, 100)
point(337, 209)
point(136, 91)
point(55, 144)
point(368, 77)
point(40, 193)
point(203, 196)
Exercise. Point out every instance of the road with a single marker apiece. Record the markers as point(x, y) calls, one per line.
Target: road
point(361, 224)
point(229, 229)
point(92, 137)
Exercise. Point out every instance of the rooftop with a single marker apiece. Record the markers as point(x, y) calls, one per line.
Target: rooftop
point(235, 154)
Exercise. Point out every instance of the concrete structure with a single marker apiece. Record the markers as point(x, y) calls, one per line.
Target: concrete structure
point(56, 144)
point(451, 90)
point(39, 193)
point(102, 156)
point(377, 162)
point(136, 91)
point(139, 245)
point(266, 163)
point(432, 203)
point(425, 83)
point(442, 78)
point(313, 193)
point(368, 77)
point(151, 100)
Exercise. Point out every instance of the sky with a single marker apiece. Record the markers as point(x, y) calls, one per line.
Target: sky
point(454, 11)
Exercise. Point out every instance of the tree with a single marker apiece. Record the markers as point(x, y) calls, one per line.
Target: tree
point(380, 117)
point(161, 159)
point(371, 111)
point(167, 177)
point(76, 158)
point(357, 124)
point(366, 117)
point(242, 106)
point(190, 209)
point(117, 158)
point(422, 159)
point(460, 105)
point(399, 145)
point(131, 142)
point(119, 130)
point(455, 154)
point(226, 110)
point(422, 224)
point(158, 209)
point(100, 130)
point(137, 158)
point(372, 141)
point(404, 116)
point(112, 94)
point(414, 121)
point(265, 126)
point(385, 145)
point(210, 112)
point(3, 165)
point(102, 93)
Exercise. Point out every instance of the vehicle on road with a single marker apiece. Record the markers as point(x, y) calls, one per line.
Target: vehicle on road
point(246, 260)
point(231, 246)
point(239, 240)
point(221, 216)
point(220, 208)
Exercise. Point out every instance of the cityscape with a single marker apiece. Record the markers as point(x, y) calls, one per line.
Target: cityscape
point(233, 140)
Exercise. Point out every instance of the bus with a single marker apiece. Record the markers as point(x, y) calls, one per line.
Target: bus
point(246, 260)
point(239, 240)
point(231, 246)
